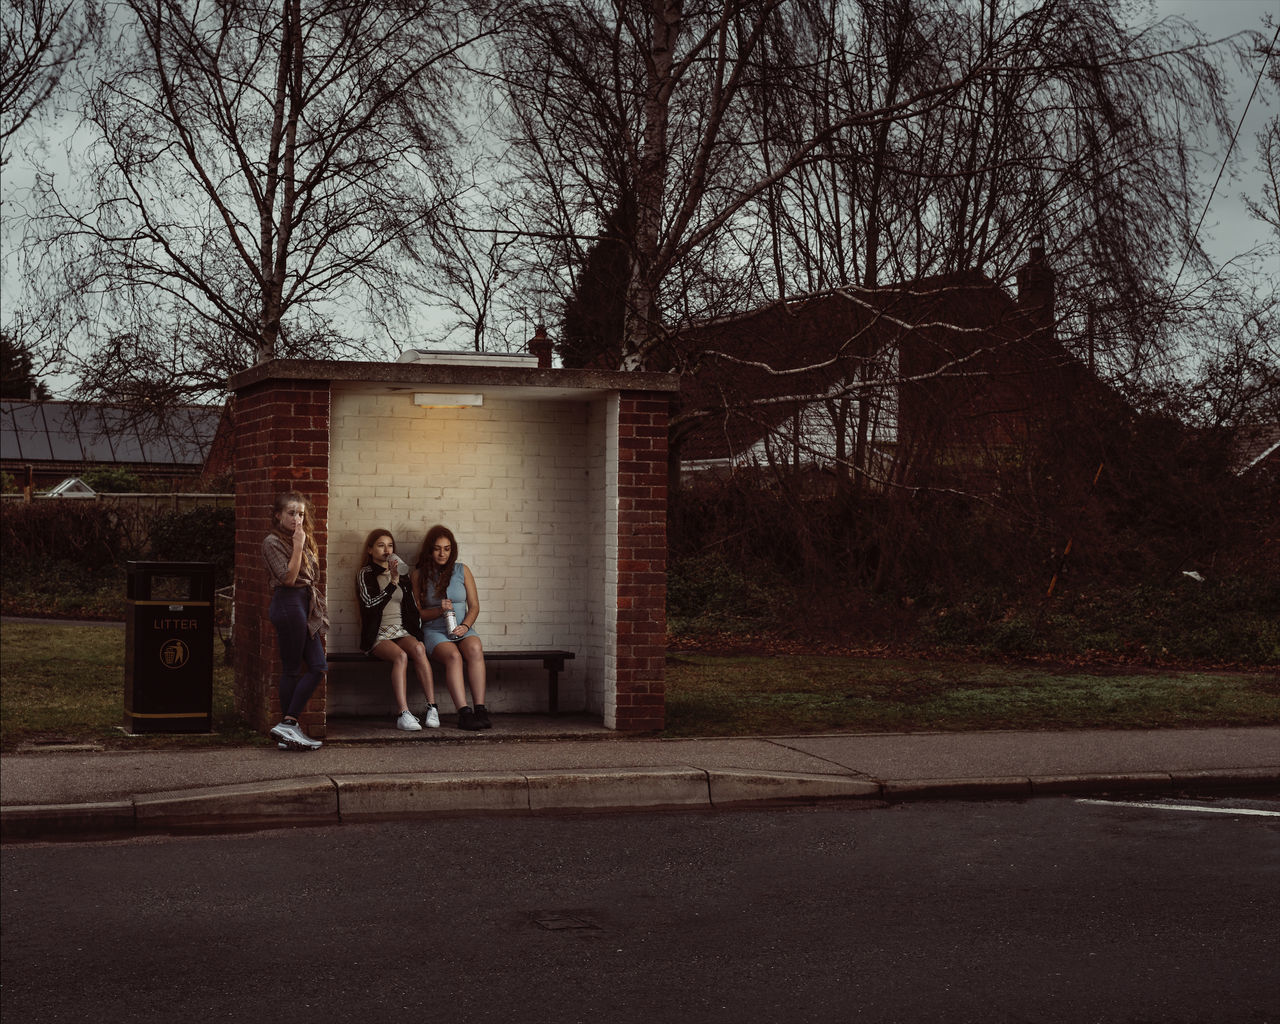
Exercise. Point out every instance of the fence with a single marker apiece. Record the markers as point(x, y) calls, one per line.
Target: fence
point(144, 501)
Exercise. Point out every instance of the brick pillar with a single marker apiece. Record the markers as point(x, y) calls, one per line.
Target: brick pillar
point(642, 561)
point(281, 444)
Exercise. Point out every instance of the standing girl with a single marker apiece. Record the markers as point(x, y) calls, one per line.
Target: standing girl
point(446, 591)
point(297, 612)
point(389, 625)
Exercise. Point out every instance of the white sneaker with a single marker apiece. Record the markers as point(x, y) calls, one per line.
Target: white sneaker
point(293, 737)
point(407, 722)
point(431, 719)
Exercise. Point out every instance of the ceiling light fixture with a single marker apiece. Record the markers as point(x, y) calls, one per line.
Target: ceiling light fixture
point(434, 400)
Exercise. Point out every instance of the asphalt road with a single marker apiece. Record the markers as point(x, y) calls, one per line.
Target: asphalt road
point(1052, 910)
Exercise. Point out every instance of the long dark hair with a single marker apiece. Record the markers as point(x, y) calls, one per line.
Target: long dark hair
point(426, 565)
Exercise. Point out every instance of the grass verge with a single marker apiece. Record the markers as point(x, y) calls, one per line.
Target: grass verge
point(65, 684)
point(98, 594)
point(731, 695)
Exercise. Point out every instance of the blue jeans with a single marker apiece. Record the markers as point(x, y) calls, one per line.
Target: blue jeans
point(298, 647)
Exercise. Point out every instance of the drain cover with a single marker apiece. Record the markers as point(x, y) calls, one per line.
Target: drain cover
point(553, 922)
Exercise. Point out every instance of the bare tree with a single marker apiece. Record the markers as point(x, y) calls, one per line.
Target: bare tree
point(39, 41)
point(465, 270)
point(258, 172)
point(1234, 385)
point(839, 142)
point(1074, 128)
point(1266, 207)
point(630, 104)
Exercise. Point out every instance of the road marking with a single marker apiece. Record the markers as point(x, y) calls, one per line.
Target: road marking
point(1181, 807)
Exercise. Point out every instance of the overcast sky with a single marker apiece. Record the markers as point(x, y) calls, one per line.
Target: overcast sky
point(1228, 229)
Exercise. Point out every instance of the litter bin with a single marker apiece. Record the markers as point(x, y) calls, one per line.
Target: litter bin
point(168, 670)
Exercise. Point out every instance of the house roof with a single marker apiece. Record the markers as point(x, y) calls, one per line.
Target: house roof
point(76, 433)
point(1256, 448)
point(756, 370)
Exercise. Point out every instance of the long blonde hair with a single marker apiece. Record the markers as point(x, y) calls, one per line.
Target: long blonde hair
point(309, 515)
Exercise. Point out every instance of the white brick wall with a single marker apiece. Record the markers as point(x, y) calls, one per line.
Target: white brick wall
point(528, 489)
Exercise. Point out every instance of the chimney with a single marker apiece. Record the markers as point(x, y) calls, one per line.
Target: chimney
point(1036, 288)
point(540, 346)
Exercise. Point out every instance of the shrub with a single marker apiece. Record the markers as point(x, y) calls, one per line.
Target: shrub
point(1016, 636)
point(112, 480)
point(957, 626)
point(202, 534)
point(39, 532)
point(707, 592)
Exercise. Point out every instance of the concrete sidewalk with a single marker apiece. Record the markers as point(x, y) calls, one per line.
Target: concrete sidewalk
point(529, 764)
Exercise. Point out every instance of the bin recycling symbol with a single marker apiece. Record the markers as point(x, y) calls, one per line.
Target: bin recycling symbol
point(174, 654)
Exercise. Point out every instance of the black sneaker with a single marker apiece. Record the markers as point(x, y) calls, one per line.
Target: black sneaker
point(467, 719)
point(482, 717)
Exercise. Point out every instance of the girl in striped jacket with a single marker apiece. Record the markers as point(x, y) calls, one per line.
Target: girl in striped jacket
point(389, 626)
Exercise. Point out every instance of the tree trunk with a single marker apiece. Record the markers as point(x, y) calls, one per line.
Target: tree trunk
point(641, 317)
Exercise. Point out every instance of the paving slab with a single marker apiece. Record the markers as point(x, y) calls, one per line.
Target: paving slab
point(77, 776)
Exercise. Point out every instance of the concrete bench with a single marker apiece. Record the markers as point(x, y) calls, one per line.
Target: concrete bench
point(552, 662)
